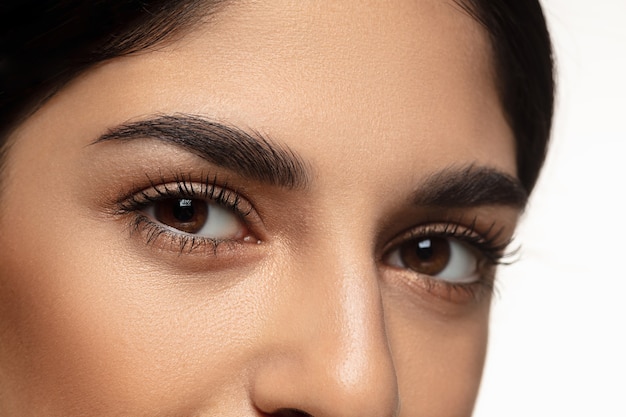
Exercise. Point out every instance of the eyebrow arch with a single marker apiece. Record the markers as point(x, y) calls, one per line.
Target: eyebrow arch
point(251, 154)
point(471, 186)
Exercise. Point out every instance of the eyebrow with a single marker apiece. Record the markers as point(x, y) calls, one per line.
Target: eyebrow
point(255, 156)
point(249, 154)
point(471, 186)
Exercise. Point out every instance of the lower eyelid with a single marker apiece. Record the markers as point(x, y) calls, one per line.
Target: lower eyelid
point(426, 289)
point(164, 240)
point(161, 239)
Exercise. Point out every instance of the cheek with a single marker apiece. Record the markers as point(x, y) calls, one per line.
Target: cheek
point(439, 361)
point(89, 327)
point(51, 342)
point(94, 333)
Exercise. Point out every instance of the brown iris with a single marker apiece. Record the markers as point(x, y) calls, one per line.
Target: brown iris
point(183, 214)
point(427, 256)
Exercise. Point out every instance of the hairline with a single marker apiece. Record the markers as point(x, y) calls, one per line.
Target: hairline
point(157, 31)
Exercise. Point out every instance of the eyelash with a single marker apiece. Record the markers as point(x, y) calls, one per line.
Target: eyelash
point(486, 243)
point(180, 187)
point(487, 246)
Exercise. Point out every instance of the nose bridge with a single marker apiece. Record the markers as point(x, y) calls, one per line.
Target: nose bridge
point(354, 325)
point(335, 359)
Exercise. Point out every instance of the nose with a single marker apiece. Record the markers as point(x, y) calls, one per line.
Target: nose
point(329, 354)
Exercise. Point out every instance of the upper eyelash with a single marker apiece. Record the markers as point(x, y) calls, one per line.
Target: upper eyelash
point(486, 243)
point(183, 187)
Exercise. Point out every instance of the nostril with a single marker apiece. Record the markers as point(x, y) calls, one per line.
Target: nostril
point(290, 412)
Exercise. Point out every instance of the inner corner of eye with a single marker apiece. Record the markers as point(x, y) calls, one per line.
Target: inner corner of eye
point(394, 259)
point(252, 239)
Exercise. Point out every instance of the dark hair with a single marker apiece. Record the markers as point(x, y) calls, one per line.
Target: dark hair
point(525, 70)
point(46, 43)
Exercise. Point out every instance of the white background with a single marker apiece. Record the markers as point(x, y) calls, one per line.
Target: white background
point(558, 340)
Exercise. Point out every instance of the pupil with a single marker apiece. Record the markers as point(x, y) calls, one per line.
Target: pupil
point(183, 214)
point(424, 250)
point(184, 211)
point(427, 256)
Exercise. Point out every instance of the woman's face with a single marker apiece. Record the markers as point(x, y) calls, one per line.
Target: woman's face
point(295, 206)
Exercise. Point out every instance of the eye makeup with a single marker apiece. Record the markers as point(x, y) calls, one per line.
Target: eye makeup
point(190, 216)
point(202, 216)
point(183, 205)
point(450, 260)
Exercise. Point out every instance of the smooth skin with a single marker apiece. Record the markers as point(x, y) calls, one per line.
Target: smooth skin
point(302, 309)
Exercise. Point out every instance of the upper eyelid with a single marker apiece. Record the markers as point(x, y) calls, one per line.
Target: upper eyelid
point(489, 242)
point(182, 187)
point(188, 188)
point(451, 227)
point(253, 156)
point(204, 185)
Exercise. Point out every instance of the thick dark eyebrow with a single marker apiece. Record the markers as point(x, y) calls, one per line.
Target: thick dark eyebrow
point(250, 155)
point(471, 186)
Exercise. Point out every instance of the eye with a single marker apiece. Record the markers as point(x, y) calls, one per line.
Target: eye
point(197, 217)
point(443, 257)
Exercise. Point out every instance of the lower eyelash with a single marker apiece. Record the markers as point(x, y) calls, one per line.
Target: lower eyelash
point(485, 286)
point(488, 244)
point(184, 243)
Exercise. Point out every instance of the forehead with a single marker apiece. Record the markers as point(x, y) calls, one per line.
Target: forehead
point(409, 82)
